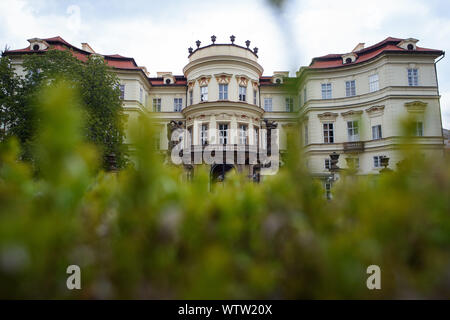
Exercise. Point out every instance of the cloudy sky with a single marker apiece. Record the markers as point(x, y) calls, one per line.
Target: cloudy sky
point(157, 33)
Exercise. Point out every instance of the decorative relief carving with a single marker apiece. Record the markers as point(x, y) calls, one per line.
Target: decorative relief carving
point(203, 81)
point(416, 106)
point(242, 80)
point(191, 84)
point(223, 78)
point(255, 85)
point(329, 116)
point(351, 113)
point(375, 111)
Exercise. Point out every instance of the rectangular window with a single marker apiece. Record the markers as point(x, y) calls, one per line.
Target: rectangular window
point(327, 164)
point(289, 104)
point(204, 134)
point(157, 140)
point(373, 83)
point(255, 94)
point(376, 132)
point(177, 104)
point(413, 77)
point(328, 133)
point(268, 104)
point(204, 93)
point(243, 134)
point(223, 133)
point(157, 105)
point(350, 88)
point(122, 91)
point(242, 93)
point(326, 90)
point(256, 137)
point(304, 95)
point(377, 161)
point(306, 134)
point(191, 97)
point(141, 95)
point(353, 163)
point(353, 131)
point(419, 129)
point(328, 191)
point(189, 138)
point(223, 91)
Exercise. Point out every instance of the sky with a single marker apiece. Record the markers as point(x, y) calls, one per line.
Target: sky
point(157, 34)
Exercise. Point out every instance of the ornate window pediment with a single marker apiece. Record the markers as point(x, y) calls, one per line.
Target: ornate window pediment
point(203, 81)
point(191, 84)
point(242, 80)
point(351, 113)
point(375, 111)
point(327, 116)
point(416, 106)
point(255, 85)
point(223, 78)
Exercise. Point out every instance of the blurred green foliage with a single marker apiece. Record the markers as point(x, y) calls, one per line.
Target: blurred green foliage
point(146, 233)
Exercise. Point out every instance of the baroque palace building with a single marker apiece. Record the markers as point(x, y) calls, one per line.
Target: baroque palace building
point(347, 104)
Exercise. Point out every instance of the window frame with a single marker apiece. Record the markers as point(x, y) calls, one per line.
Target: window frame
point(266, 104)
point(242, 93)
point(328, 132)
point(413, 77)
point(377, 132)
point(353, 130)
point(326, 90)
point(203, 93)
point(156, 104)
point(419, 128)
point(289, 104)
point(177, 104)
point(350, 88)
point(243, 134)
point(374, 85)
point(223, 129)
point(122, 91)
point(204, 134)
point(223, 91)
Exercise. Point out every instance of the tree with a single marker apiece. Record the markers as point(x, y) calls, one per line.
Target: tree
point(9, 85)
point(96, 84)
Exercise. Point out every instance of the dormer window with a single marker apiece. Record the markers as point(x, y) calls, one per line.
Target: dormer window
point(348, 58)
point(168, 81)
point(37, 44)
point(278, 81)
point(408, 44)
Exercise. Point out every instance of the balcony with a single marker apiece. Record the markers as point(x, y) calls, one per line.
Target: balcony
point(354, 146)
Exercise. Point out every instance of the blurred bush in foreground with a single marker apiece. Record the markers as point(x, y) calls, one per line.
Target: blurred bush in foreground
point(144, 233)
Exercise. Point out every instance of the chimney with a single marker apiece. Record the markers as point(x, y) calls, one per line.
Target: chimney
point(86, 47)
point(359, 46)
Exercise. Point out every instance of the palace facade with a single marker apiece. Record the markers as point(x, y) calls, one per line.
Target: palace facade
point(349, 104)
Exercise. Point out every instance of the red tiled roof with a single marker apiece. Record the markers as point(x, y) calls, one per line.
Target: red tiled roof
point(58, 43)
point(388, 45)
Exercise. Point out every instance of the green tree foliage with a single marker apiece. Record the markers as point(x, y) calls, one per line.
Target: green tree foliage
point(146, 233)
point(100, 103)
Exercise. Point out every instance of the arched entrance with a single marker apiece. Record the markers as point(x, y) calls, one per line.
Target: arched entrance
point(219, 172)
